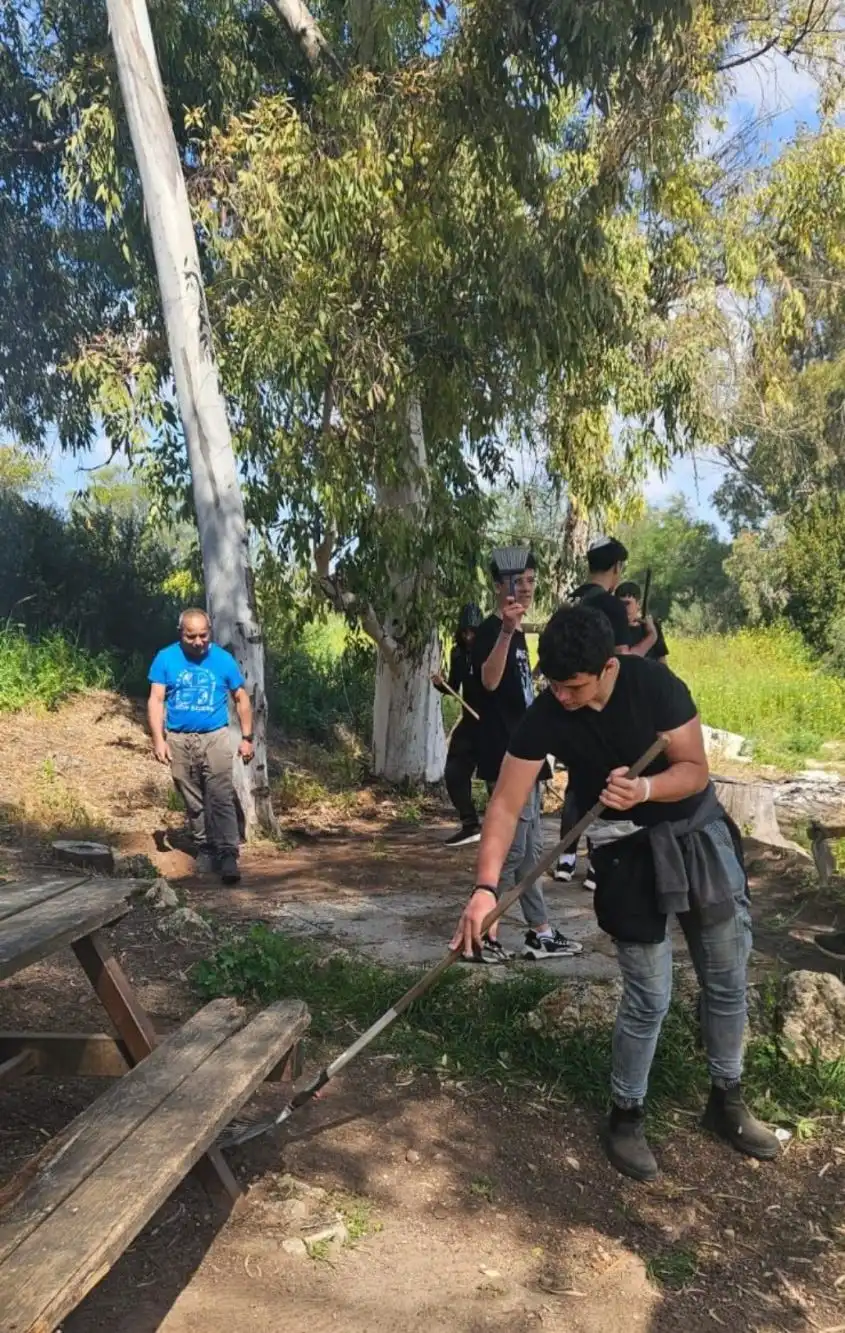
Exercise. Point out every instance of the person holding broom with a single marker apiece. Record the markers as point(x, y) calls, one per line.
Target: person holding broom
point(664, 846)
point(462, 757)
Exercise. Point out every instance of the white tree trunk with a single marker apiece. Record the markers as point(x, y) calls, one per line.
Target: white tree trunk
point(217, 496)
point(409, 743)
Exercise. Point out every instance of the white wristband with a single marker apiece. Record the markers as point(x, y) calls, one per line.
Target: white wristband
point(647, 796)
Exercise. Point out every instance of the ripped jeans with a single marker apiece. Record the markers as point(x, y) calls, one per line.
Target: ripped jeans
point(720, 957)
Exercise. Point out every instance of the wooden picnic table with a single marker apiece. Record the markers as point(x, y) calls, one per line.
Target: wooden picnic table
point(40, 918)
point(76, 1205)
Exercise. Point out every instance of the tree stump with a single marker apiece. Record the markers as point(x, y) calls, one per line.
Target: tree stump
point(751, 805)
point(85, 855)
point(820, 836)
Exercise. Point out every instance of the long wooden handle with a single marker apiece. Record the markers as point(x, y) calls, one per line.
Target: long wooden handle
point(506, 901)
point(319, 1080)
point(448, 688)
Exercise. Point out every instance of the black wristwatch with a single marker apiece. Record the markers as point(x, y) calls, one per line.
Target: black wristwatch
point(249, 738)
point(487, 888)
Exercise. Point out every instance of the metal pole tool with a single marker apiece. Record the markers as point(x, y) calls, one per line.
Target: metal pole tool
point(236, 1134)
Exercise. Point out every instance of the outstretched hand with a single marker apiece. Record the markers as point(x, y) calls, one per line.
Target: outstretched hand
point(467, 937)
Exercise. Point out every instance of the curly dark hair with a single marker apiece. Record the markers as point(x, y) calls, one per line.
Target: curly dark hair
point(576, 639)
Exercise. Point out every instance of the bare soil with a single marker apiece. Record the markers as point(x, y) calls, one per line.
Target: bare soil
point(482, 1210)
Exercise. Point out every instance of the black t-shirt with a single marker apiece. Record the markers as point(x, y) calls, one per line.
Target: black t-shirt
point(464, 679)
point(647, 699)
point(657, 650)
point(596, 597)
point(501, 709)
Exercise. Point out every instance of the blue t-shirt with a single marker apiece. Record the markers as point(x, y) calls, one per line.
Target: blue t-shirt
point(196, 693)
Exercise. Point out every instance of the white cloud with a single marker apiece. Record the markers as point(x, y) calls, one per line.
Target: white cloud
point(772, 85)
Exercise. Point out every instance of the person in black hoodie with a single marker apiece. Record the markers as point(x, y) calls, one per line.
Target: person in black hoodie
point(462, 759)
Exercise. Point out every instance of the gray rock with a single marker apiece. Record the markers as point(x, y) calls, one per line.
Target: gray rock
point(813, 1016)
point(296, 1248)
point(294, 1211)
point(725, 744)
point(577, 1005)
point(335, 1235)
point(293, 1187)
point(185, 919)
point(412, 1156)
point(162, 894)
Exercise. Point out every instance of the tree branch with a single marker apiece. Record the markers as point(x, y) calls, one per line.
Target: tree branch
point(346, 602)
point(305, 29)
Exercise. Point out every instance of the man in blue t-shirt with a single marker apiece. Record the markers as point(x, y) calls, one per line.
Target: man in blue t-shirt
point(188, 710)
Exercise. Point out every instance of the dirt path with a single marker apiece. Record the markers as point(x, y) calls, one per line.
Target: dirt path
point(474, 1209)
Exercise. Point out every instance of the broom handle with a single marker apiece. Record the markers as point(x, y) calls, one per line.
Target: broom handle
point(507, 900)
point(444, 685)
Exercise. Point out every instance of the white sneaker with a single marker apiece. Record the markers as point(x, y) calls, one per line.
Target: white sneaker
point(564, 871)
point(542, 947)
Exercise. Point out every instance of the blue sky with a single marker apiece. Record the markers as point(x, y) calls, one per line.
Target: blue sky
point(779, 96)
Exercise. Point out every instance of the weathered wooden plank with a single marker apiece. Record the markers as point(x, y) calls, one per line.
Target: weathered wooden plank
point(18, 895)
point(112, 988)
point(49, 926)
point(65, 1054)
point(73, 1248)
point(54, 1173)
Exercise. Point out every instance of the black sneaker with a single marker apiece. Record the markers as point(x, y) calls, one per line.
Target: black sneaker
point(831, 945)
point(564, 871)
point(464, 836)
point(590, 879)
point(229, 870)
point(556, 945)
point(492, 952)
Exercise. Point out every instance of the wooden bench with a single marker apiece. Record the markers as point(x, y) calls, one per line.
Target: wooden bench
point(73, 1210)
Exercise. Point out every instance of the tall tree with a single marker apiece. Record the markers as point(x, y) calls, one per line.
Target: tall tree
point(216, 492)
point(427, 239)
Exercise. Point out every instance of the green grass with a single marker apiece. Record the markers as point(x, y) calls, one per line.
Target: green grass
point(674, 1269)
point(765, 685)
point(462, 1031)
point(42, 672)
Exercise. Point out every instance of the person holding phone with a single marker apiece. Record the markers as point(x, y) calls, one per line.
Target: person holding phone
point(501, 663)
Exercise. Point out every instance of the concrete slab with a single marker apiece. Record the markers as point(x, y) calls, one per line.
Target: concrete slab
point(411, 927)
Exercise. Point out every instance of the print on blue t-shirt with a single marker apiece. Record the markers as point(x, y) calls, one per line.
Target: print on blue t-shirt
point(196, 692)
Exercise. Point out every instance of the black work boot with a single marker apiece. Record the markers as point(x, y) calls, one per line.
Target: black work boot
point(229, 872)
point(727, 1116)
point(626, 1145)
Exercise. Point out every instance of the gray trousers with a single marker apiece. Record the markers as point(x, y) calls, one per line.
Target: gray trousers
point(525, 851)
point(201, 764)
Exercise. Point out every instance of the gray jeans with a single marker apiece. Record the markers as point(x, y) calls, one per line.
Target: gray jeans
point(201, 764)
point(720, 957)
point(525, 851)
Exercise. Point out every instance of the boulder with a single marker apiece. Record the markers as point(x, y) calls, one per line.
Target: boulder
point(576, 1006)
point(182, 920)
point(813, 1016)
point(161, 894)
point(726, 744)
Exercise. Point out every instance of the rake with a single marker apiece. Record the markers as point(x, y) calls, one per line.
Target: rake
point(237, 1134)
